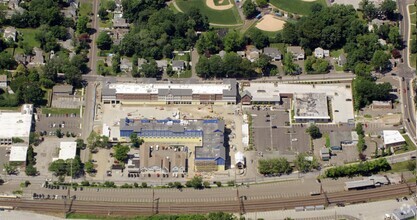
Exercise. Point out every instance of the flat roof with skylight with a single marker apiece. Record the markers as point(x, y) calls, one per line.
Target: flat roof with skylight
point(67, 150)
point(18, 153)
point(311, 106)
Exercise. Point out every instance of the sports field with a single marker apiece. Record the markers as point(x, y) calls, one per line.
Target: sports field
point(217, 11)
point(302, 7)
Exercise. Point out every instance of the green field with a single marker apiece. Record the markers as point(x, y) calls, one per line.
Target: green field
point(28, 35)
point(296, 6)
point(56, 111)
point(229, 16)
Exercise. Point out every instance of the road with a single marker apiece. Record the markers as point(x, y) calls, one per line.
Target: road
point(407, 73)
point(90, 89)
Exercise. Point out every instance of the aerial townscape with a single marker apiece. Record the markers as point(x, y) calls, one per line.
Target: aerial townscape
point(208, 109)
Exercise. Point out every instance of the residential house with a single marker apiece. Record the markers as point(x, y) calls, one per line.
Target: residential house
point(3, 81)
point(321, 53)
point(241, 53)
point(178, 65)
point(253, 54)
point(162, 64)
point(375, 23)
point(37, 59)
point(297, 52)
point(119, 21)
point(341, 61)
point(141, 61)
point(126, 65)
point(10, 33)
point(274, 53)
point(109, 59)
point(118, 34)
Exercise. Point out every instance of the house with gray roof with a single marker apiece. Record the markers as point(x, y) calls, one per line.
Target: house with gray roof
point(297, 52)
point(10, 33)
point(272, 52)
point(162, 64)
point(341, 61)
point(126, 65)
point(37, 59)
point(178, 65)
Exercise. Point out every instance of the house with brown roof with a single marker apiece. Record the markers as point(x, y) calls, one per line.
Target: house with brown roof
point(3, 81)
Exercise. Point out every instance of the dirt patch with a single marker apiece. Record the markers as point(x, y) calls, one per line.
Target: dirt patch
point(270, 23)
point(210, 4)
point(309, 0)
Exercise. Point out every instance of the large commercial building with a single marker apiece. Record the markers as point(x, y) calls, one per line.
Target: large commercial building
point(16, 125)
point(309, 102)
point(149, 91)
point(203, 140)
point(311, 107)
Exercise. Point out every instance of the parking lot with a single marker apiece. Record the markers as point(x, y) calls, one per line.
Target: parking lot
point(47, 150)
point(66, 102)
point(66, 122)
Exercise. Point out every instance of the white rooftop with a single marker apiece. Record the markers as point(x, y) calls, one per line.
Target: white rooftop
point(392, 137)
point(339, 94)
point(16, 124)
point(263, 92)
point(67, 150)
point(18, 153)
point(131, 88)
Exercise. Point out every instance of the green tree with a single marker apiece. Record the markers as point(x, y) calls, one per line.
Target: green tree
point(263, 62)
point(411, 165)
point(82, 22)
point(290, 67)
point(209, 42)
point(359, 129)
point(380, 60)
point(221, 216)
point(120, 152)
point(259, 39)
point(30, 170)
point(30, 156)
point(304, 164)
point(58, 167)
point(388, 8)
point(262, 3)
point(233, 41)
point(136, 142)
point(314, 131)
point(104, 41)
point(274, 166)
point(89, 167)
point(115, 62)
point(10, 169)
point(80, 143)
point(150, 70)
point(413, 46)
point(361, 146)
point(196, 182)
point(394, 37)
point(369, 9)
point(249, 9)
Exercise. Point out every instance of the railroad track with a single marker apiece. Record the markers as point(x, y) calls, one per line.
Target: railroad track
point(128, 209)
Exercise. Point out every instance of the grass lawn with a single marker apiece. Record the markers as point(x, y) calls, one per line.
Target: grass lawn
point(399, 167)
point(56, 111)
point(413, 60)
point(173, 8)
point(296, 6)
point(86, 8)
point(28, 35)
point(184, 74)
point(412, 9)
point(229, 16)
point(327, 137)
point(281, 47)
point(336, 53)
point(10, 108)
